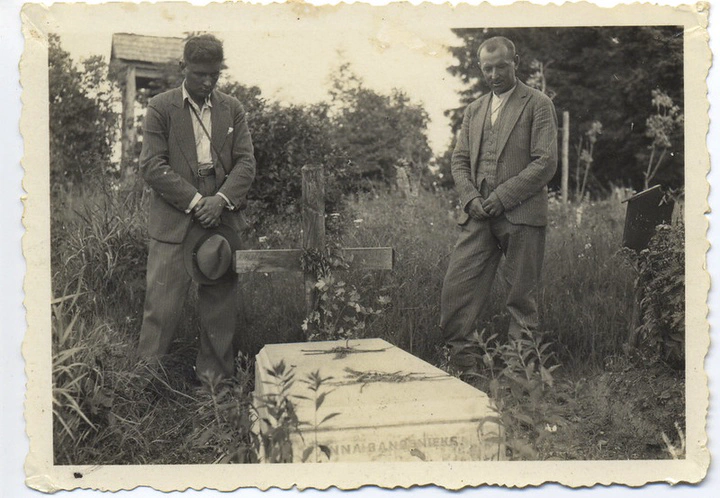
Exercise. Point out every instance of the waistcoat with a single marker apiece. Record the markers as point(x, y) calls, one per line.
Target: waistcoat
point(487, 162)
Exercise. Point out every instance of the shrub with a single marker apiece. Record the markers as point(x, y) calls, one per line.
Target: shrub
point(377, 129)
point(518, 376)
point(662, 280)
point(286, 138)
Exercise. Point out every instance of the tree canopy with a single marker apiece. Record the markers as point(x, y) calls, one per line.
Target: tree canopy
point(377, 130)
point(82, 122)
point(597, 74)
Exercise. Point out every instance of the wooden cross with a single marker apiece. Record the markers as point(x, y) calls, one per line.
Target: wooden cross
point(313, 221)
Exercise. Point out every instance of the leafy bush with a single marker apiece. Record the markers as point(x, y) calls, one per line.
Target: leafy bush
point(376, 129)
point(518, 376)
point(662, 280)
point(286, 138)
point(339, 312)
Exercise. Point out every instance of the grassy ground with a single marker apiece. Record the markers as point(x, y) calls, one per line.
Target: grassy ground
point(604, 402)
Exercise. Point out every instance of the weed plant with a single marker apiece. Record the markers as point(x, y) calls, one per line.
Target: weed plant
point(661, 269)
point(518, 375)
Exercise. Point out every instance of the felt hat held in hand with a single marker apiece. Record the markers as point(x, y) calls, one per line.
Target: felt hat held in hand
point(208, 253)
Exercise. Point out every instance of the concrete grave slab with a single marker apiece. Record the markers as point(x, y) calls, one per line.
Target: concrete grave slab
point(380, 404)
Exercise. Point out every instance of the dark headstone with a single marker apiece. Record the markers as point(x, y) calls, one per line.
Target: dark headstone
point(645, 211)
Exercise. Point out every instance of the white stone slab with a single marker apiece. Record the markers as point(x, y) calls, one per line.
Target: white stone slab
point(392, 406)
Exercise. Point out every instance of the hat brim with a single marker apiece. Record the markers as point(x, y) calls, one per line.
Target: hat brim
point(194, 237)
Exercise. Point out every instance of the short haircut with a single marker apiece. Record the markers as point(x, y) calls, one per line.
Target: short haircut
point(492, 44)
point(203, 48)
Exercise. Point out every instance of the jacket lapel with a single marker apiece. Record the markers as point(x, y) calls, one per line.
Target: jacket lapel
point(476, 133)
point(221, 119)
point(182, 129)
point(511, 113)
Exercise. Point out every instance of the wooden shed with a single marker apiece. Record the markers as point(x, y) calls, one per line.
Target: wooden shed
point(144, 58)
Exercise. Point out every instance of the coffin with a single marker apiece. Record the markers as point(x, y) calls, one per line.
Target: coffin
point(376, 403)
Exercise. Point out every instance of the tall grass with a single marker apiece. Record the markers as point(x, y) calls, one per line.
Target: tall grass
point(99, 249)
point(422, 232)
point(99, 241)
point(586, 296)
point(104, 412)
point(587, 293)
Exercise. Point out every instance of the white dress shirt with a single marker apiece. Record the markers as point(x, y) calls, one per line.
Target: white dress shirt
point(497, 102)
point(202, 140)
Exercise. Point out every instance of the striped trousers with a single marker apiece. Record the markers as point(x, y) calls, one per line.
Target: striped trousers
point(471, 271)
point(167, 288)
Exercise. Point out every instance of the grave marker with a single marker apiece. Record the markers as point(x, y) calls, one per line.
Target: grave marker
point(390, 406)
point(313, 220)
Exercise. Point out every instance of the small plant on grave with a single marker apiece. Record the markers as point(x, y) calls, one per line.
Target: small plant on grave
point(340, 311)
point(277, 416)
point(315, 383)
point(520, 382)
point(278, 419)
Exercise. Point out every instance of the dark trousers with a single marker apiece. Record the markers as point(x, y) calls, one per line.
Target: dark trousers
point(167, 288)
point(471, 271)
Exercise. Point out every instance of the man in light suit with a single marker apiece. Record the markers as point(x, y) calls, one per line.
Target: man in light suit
point(505, 156)
point(197, 157)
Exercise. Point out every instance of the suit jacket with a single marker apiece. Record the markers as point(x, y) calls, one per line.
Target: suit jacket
point(526, 157)
point(169, 163)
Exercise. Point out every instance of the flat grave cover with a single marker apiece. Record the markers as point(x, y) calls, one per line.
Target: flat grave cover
point(389, 405)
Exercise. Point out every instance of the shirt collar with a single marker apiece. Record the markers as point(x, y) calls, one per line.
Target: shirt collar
point(503, 96)
point(186, 97)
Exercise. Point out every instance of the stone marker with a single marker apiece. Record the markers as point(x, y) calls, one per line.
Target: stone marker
point(645, 211)
point(390, 405)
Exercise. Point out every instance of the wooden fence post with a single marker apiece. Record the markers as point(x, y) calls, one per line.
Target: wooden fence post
point(565, 156)
point(129, 135)
point(313, 222)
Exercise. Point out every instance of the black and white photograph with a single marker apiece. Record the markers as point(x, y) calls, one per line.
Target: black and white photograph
point(397, 246)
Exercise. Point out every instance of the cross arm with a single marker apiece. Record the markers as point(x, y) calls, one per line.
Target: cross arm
point(288, 260)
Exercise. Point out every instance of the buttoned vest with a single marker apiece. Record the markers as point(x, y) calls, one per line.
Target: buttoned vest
point(487, 162)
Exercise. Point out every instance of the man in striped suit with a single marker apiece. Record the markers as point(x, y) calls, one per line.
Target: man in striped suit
point(505, 156)
point(197, 157)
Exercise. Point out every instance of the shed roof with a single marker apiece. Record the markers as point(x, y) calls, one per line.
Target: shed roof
point(141, 48)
